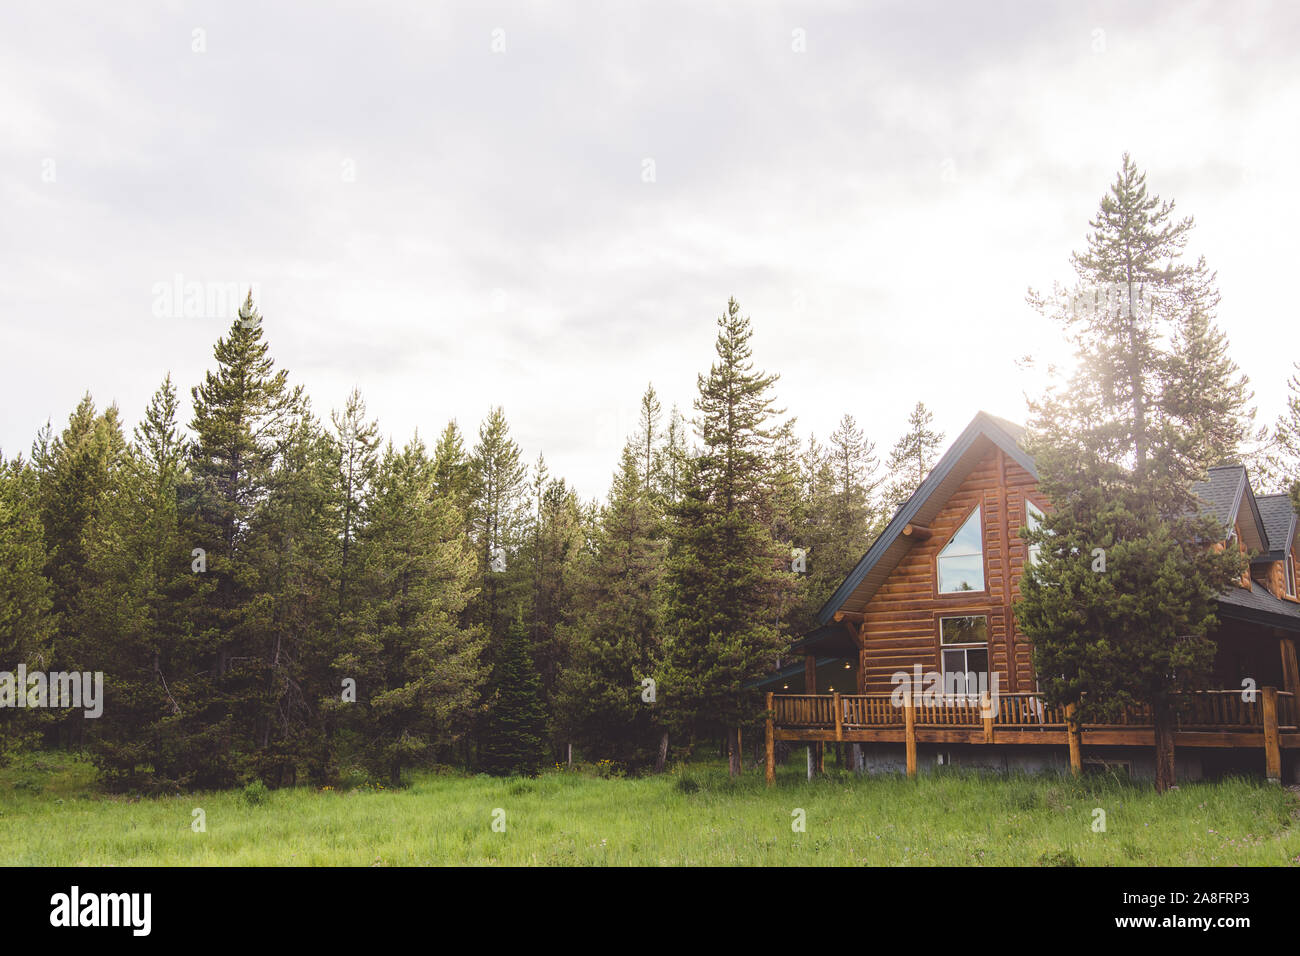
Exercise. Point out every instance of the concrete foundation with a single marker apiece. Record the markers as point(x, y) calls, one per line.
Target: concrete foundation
point(1139, 762)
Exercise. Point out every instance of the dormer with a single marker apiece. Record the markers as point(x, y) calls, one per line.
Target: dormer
point(1276, 567)
point(1228, 496)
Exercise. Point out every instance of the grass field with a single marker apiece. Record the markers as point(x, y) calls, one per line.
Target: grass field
point(52, 814)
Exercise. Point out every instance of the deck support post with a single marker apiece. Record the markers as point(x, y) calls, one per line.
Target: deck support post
point(985, 707)
point(855, 757)
point(810, 761)
point(770, 744)
point(1272, 749)
point(839, 723)
point(1075, 740)
point(909, 726)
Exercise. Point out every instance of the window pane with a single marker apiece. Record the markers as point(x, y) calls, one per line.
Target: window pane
point(955, 671)
point(977, 660)
point(964, 630)
point(968, 539)
point(964, 573)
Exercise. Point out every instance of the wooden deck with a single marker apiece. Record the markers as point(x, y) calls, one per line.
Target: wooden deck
point(1211, 719)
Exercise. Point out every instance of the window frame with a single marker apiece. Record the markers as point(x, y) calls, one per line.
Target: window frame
point(1288, 574)
point(986, 645)
point(984, 557)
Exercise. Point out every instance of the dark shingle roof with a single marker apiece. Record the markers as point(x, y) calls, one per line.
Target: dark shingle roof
point(1224, 494)
point(1260, 607)
point(1279, 522)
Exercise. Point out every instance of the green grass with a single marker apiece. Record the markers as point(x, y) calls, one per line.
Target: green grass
point(52, 814)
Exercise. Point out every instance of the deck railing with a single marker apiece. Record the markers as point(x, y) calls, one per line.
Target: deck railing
point(1224, 710)
point(1221, 718)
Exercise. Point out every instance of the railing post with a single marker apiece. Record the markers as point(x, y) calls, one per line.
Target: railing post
point(1074, 736)
point(985, 707)
point(771, 742)
point(1272, 750)
point(909, 725)
point(839, 720)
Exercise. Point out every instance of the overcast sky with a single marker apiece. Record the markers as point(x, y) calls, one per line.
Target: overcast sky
point(547, 205)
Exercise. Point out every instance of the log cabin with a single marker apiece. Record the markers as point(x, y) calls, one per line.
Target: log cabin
point(935, 594)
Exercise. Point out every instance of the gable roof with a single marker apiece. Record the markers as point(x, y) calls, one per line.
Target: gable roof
point(1224, 493)
point(984, 432)
point(1279, 523)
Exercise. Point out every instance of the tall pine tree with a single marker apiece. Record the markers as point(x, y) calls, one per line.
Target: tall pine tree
point(729, 581)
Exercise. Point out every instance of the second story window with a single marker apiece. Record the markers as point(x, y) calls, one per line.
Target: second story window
point(960, 564)
point(1290, 576)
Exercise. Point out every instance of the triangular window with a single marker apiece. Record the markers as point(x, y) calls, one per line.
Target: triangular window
point(961, 562)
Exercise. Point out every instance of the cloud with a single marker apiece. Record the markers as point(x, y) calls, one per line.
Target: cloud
point(449, 228)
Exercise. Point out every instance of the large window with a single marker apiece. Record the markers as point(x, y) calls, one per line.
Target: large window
point(964, 652)
point(1290, 576)
point(961, 562)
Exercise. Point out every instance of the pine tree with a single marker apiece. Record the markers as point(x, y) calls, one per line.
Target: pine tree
point(729, 580)
point(453, 473)
point(615, 637)
point(496, 514)
point(418, 671)
point(80, 487)
point(243, 412)
point(838, 486)
point(1119, 606)
point(912, 456)
point(647, 440)
point(516, 740)
point(143, 592)
point(1204, 398)
point(1276, 461)
point(555, 541)
point(357, 441)
point(674, 459)
point(293, 547)
point(26, 607)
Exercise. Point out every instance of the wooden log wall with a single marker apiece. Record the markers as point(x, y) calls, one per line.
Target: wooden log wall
point(900, 624)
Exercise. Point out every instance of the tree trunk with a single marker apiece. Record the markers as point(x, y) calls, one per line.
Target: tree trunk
point(1163, 720)
point(733, 751)
point(662, 758)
